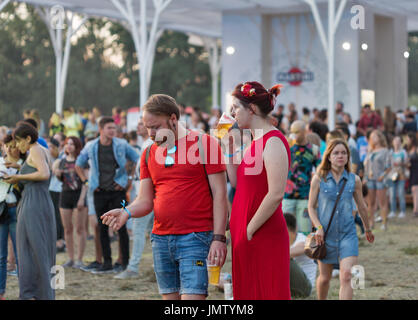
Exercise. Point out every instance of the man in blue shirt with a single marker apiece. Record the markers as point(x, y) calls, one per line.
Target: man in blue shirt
point(109, 180)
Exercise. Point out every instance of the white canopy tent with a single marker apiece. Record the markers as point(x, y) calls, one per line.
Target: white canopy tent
point(146, 19)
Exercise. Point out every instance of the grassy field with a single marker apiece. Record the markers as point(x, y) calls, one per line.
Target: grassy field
point(390, 264)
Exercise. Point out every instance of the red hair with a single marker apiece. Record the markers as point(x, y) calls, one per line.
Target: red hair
point(254, 93)
point(77, 144)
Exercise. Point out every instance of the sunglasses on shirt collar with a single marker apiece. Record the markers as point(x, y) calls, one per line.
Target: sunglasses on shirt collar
point(169, 160)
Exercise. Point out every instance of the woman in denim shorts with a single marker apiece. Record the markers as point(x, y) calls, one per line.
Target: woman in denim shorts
point(376, 167)
point(341, 241)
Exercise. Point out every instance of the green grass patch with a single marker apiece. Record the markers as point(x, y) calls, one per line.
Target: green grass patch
point(412, 251)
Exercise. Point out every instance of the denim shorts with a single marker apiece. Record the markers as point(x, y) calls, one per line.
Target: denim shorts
point(180, 262)
point(299, 208)
point(376, 185)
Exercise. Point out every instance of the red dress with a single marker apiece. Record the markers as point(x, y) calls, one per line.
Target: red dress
point(260, 267)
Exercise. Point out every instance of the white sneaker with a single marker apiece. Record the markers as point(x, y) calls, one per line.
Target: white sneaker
point(378, 219)
point(383, 227)
point(392, 215)
point(335, 273)
point(402, 215)
point(127, 274)
point(78, 265)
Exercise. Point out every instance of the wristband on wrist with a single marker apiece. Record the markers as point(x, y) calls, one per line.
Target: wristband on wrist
point(319, 227)
point(123, 203)
point(219, 237)
point(236, 152)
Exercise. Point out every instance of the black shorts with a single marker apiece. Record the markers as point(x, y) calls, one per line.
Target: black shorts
point(69, 199)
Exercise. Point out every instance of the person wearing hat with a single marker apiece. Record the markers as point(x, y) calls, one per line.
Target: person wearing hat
point(305, 157)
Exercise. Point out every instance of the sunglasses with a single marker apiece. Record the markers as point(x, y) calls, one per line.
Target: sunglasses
point(169, 160)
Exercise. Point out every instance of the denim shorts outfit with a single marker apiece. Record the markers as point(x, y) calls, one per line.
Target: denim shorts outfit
point(376, 163)
point(341, 241)
point(180, 262)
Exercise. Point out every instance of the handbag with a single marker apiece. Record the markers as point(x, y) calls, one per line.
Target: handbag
point(3, 205)
point(312, 249)
point(3, 209)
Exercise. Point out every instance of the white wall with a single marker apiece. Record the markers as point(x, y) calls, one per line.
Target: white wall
point(268, 44)
point(244, 33)
point(296, 43)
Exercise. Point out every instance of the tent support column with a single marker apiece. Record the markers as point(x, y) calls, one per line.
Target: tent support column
point(329, 47)
point(145, 41)
point(3, 4)
point(62, 57)
point(212, 46)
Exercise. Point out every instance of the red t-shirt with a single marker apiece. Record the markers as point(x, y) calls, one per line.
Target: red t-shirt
point(183, 202)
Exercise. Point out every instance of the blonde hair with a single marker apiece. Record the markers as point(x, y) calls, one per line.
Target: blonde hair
point(335, 134)
point(382, 139)
point(325, 166)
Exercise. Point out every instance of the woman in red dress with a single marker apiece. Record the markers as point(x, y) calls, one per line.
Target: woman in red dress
point(260, 241)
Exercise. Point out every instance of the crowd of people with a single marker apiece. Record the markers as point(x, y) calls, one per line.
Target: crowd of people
point(89, 166)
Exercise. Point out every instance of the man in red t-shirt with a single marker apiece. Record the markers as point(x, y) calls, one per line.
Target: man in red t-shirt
point(187, 191)
point(369, 120)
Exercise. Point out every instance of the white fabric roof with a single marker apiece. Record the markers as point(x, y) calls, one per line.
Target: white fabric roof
point(204, 17)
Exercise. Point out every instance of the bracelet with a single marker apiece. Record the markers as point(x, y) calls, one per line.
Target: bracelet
point(319, 227)
point(123, 203)
point(233, 154)
point(219, 237)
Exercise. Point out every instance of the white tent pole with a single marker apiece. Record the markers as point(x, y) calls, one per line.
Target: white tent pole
point(319, 25)
point(45, 16)
point(61, 56)
point(142, 57)
point(58, 60)
point(150, 62)
point(132, 28)
point(144, 43)
point(331, 62)
point(212, 47)
point(70, 32)
point(339, 14)
point(66, 57)
point(3, 4)
point(329, 48)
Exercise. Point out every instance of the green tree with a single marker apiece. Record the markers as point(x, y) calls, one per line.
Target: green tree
point(27, 68)
point(182, 71)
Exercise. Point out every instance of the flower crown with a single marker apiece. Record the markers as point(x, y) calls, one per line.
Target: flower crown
point(247, 90)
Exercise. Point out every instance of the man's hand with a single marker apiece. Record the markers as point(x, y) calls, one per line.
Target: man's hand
point(217, 253)
point(115, 218)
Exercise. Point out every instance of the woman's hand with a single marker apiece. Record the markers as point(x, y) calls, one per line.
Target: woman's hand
point(369, 236)
point(249, 235)
point(80, 203)
point(12, 179)
point(319, 236)
point(58, 173)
